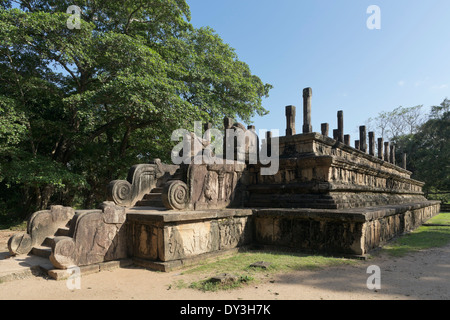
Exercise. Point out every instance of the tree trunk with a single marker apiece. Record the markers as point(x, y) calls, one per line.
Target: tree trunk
point(46, 194)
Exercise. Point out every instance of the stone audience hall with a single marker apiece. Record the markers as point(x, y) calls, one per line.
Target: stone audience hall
point(327, 197)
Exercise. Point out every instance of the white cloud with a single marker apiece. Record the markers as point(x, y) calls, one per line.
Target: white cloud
point(440, 86)
point(401, 83)
point(422, 82)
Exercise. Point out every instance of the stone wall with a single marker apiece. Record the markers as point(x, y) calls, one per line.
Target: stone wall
point(319, 172)
point(349, 232)
point(160, 239)
point(182, 235)
point(384, 224)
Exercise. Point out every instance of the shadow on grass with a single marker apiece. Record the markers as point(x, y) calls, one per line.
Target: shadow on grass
point(240, 265)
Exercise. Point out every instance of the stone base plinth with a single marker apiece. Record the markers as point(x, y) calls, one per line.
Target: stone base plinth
point(168, 240)
point(348, 232)
point(163, 240)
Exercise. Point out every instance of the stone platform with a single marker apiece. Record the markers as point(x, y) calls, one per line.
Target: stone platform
point(168, 240)
point(350, 232)
point(323, 196)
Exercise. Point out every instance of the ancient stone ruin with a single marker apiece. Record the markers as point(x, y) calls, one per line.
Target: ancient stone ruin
point(326, 197)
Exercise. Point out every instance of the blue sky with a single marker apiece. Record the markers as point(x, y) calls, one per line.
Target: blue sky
point(326, 45)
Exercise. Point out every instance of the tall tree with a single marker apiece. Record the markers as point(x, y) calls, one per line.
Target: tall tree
point(398, 122)
point(428, 149)
point(89, 102)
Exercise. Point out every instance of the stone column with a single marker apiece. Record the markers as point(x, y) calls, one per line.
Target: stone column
point(380, 149)
point(340, 117)
point(404, 160)
point(269, 143)
point(372, 143)
point(362, 138)
point(227, 123)
point(386, 151)
point(307, 94)
point(206, 127)
point(392, 155)
point(290, 121)
point(325, 129)
point(357, 144)
point(250, 146)
point(347, 139)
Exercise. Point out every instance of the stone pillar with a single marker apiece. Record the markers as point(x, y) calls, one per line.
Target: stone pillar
point(386, 151)
point(404, 160)
point(325, 129)
point(362, 139)
point(357, 144)
point(380, 149)
point(347, 139)
point(340, 117)
point(392, 155)
point(253, 128)
point(290, 121)
point(269, 143)
point(206, 127)
point(372, 143)
point(307, 94)
point(335, 134)
point(228, 124)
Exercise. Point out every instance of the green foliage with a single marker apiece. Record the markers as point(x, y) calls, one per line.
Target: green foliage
point(428, 150)
point(12, 123)
point(398, 122)
point(79, 107)
point(424, 139)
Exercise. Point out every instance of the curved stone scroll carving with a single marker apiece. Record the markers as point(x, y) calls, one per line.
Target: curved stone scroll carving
point(142, 178)
point(175, 195)
point(97, 236)
point(41, 225)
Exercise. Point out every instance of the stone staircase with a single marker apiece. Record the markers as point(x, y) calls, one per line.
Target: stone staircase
point(152, 199)
point(45, 249)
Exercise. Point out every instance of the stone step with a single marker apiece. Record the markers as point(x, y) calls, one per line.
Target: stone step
point(63, 232)
point(150, 203)
point(49, 242)
point(153, 196)
point(41, 251)
point(157, 190)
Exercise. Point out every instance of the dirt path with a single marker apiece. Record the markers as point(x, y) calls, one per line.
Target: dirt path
point(422, 275)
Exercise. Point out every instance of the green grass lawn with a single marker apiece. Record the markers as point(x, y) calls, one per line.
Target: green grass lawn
point(443, 218)
point(239, 265)
point(422, 238)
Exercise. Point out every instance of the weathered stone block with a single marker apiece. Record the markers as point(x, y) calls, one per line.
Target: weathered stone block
point(95, 236)
point(169, 237)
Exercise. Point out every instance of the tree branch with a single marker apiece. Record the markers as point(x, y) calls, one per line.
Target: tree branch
point(129, 20)
point(105, 127)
